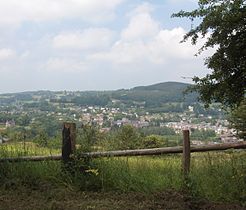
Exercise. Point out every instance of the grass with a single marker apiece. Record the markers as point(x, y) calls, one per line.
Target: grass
point(220, 176)
point(17, 149)
point(142, 174)
point(146, 174)
point(216, 176)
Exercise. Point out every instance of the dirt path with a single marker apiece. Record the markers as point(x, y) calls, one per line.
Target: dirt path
point(64, 199)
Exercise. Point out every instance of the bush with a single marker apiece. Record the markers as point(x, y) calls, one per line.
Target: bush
point(153, 141)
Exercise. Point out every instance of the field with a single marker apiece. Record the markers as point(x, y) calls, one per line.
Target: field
point(217, 180)
point(17, 149)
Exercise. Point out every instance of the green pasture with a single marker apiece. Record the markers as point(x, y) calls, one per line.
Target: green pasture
point(217, 176)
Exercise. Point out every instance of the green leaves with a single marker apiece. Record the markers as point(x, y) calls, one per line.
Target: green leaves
point(128, 137)
point(238, 120)
point(223, 26)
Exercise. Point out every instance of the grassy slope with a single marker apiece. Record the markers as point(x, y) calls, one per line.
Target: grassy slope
point(216, 176)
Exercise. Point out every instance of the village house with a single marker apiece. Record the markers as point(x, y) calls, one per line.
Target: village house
point(228, 138)
point(10, 123)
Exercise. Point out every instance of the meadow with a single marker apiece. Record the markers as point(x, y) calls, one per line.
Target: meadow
point(215, 176)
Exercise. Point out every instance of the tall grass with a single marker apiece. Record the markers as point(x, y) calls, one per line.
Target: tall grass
point(18, 149)
point(27, 173)
point(217, 176)
point(145, 174)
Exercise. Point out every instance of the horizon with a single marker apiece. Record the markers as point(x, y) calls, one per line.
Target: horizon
point(92, 45)
point(27, 91)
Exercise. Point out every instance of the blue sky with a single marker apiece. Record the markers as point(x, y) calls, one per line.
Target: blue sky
point(94, 44)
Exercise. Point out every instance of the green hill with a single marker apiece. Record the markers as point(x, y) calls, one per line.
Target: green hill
point(156, 95)
point(177, 86)
point(151, 96)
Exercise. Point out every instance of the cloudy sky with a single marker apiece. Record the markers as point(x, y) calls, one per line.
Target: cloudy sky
point(94, 44)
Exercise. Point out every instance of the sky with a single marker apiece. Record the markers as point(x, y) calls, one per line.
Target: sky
point(94, 44)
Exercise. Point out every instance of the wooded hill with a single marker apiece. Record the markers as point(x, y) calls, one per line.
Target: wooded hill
point(156, 95)
point(151, 96)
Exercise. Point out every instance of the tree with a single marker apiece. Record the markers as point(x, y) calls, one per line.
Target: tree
point(154, 141)
point(238, 120)
point(88, 137)
point(42, 138)
point(223, 25)
point(128, 137)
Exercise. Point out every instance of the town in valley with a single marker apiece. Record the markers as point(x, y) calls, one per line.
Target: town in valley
point(165, 113)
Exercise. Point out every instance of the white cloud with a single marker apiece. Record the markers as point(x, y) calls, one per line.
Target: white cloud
point(143, 40)
point(142, 9)
point(6, 54)
point(166, 45)
point(89, 39)
point(25, 55)
point(67, 65)
point(122, 53)
point(163, 47)
point(141, 25)
point(134, 52)
point(182, 1)
point(14, 12)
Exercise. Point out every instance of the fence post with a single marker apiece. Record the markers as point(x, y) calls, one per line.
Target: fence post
point(68, 140)
point(186, 153)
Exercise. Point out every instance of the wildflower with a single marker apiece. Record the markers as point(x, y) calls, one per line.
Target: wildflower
point(92, 171)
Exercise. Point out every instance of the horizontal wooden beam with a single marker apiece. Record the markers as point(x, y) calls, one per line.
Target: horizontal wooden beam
point(164, 150)
point(137, 152)
point(218, 147)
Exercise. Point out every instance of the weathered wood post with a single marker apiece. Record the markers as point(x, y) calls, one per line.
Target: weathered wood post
point(186, 153)
point(68, 140)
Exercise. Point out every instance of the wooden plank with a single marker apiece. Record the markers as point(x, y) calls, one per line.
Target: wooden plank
point(138, 152)
point(164, 150)
point(218, 147)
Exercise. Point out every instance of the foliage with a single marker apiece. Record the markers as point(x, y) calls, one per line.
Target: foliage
point(128, 137)
point(238, 120)
point(20, 119)
point(219, 176)
point(213, 110)
point(91, 99)
point(202, 134)
point(154, 141)
point(88, 137)
point(48, 124)
point(42, 139)
point(154, 96)
point(83, 170)
point(157, 131)
point(223, 23)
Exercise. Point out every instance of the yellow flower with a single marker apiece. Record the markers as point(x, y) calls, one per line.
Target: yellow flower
point(93, 171)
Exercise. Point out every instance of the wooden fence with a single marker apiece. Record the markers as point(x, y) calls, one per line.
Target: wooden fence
point(68, 148)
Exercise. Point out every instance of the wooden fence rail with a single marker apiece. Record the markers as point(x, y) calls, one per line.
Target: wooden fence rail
point(137, 152)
